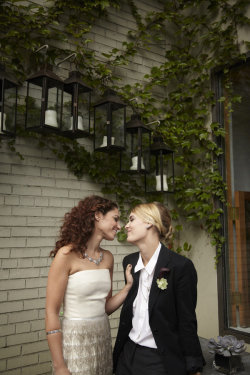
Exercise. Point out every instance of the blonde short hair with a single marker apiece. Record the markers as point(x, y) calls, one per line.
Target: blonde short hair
point(158, 215)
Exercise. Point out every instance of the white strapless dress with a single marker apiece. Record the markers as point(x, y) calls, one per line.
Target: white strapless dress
point(85, 325)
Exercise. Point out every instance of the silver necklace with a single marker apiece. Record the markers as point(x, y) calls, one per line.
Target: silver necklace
point(96, 261)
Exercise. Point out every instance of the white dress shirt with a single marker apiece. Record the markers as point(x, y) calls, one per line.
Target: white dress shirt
point(141, 333)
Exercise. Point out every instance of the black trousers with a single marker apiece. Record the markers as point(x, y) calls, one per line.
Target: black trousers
point(139, 360)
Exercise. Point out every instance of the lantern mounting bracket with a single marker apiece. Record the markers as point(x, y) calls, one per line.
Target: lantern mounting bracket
point(42, 47)
point(67, 58)
point(153, 122)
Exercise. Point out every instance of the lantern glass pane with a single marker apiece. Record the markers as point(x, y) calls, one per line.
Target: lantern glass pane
point(53, 105)
point(67, 120)
point(129, 153)
point(34, 103)
point(101, 126)
point(83, 111)
point(8, 108)
point(70, 107)
point(117, 129)
point(169, 161)
point(161, 173)
point(136, 156)
point(145, 149)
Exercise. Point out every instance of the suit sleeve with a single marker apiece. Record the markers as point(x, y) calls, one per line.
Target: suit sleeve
point(186, 298)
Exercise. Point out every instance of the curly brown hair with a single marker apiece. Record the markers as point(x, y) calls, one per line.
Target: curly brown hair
point(79, 223)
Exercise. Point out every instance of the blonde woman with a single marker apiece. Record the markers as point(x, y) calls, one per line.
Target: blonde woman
point(158, 328)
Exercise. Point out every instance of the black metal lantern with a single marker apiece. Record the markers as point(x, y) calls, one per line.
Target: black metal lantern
point(109, 123)
point(135, 159)
point(76, 107)
point(161, 176)
point(8, 104)
point(44, 102)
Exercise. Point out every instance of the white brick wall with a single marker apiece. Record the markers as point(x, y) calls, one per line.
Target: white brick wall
point(30, 215)
point(35, 193)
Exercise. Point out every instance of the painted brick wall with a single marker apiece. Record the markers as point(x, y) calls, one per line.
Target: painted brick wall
point(35, 193)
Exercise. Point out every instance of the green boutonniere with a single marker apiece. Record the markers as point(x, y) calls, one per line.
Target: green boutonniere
point(162, 283)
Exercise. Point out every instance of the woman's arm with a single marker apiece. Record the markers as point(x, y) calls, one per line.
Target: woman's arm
point(56, 286)
point(114, 302)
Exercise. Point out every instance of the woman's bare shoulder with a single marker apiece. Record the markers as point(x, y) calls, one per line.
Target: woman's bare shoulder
point(63, 257)
point(107, 253)
point(65, 250)
point(108, 257)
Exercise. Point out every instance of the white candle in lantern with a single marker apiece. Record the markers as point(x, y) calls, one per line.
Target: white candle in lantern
point(158, 183)
point(79, 123)
point(134, 165)
point(51, 118)
point(4, 120)
point(105, 142)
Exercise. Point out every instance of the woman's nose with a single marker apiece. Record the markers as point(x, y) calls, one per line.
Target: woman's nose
point(126, 226)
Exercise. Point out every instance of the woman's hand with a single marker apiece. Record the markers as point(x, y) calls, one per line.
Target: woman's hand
point(114, 302)
point(129, 277)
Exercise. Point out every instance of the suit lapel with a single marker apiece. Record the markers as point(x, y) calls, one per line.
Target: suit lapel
point(163, 260)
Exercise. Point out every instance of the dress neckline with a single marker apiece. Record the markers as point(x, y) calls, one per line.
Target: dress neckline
point(97, 269)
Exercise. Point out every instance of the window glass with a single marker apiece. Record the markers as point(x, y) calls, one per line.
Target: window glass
point(237, 160)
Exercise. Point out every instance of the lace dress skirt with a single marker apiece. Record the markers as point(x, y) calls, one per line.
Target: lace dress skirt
point(87, 346)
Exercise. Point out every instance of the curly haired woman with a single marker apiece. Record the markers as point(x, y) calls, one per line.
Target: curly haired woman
point(80, 277)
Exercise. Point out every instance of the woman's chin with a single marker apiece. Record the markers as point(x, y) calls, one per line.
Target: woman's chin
point(110, 237)
point(129, 239)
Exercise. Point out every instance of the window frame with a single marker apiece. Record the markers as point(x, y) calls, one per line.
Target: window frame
point(222, 281)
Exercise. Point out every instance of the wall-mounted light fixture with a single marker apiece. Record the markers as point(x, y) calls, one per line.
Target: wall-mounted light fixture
point(109, 123)
point(76, 107)
point(135, 158)
point(44, 100)
point(161, 176)
point(76, 104)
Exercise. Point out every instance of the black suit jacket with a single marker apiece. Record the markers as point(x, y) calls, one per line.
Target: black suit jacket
point(172, 315)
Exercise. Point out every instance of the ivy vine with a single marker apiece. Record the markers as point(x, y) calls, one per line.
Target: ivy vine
point(197, 36)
